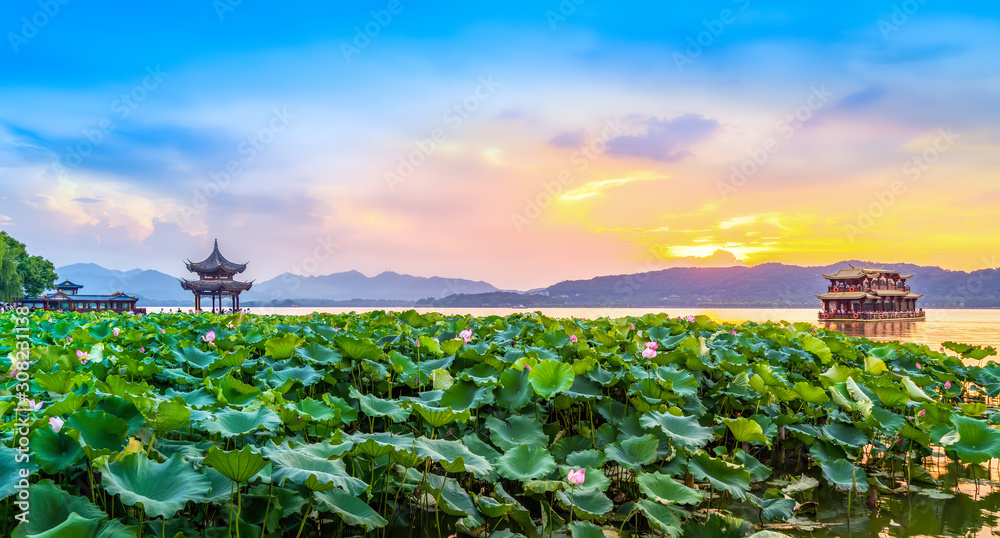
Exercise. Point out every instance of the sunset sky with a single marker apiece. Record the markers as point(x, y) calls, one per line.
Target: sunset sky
point(516, 142)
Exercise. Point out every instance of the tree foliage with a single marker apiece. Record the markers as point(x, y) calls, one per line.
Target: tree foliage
point(35, 273)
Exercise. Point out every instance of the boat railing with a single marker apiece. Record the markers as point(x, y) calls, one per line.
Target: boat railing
point(862, 316)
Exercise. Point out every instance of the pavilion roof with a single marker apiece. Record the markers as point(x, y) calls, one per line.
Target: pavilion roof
point(67, 285)
point(117, 296)
point(214, 262)
point(862, 272)
point(216, 285)
point(846, 295)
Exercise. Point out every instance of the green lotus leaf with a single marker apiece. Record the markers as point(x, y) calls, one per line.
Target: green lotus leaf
point(283, 347)
point(194, 357)
point(377, 407)
point(317, 354)
point(665, 518)
point(284, 379)
point(437, 417)
point(315, 410)
point(684, 431)
point(976, 442)
point(99, 431)
point(464, 395)
point(161, 488)
point(170, 415)
point(875, 366)
point(550, 377)
point(776, 509)
point(526, 463)
point(455, 501)
point(816, 347)
point(491, 507)
point(352, 510)
point(235, 392)
point(360, 350)
point(633, 452)
point(303, 465)
point(53, 451)
point(584, 529)
point(380, 444)
point(586, 458)
point(745, 430)
point(125, 410)
point(55, 513)
point(844, 476)
point(811, 393)
point(800, 484)
point(665, 490)
point(233, 423)
point(60, 381)
point(453, 456)
point(845, 434)
point(516, 431)
point(915, 392)
point(721, 474)
point(758, 471)
point(238, 466)
point(585, 503)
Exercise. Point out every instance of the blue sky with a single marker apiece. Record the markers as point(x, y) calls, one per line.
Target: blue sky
point(498, 140)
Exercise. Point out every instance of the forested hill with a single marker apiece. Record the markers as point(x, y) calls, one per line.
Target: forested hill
point(770, 285)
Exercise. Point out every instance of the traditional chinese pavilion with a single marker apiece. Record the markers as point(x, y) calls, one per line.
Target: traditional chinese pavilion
point(215, 280)
point(869, 294)
point(68, 297)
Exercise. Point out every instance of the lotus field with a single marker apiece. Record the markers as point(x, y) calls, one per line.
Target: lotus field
point(395, 424)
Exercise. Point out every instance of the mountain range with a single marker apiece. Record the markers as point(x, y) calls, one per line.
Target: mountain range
point(760, 286)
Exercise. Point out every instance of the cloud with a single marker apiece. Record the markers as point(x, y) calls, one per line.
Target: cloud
point(86, 200)
point(664, 140)
point(568, 140)
point(861, 98)
point(596, 187)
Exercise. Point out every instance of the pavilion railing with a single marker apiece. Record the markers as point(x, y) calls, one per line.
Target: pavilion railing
point(869, 316)
point(870, 288)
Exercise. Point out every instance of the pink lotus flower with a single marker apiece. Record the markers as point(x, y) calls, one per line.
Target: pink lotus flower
point(449, 433)
point(436, 340)
point(34, 406)
point(732, 333)
point(573, 338)
point(209, 336)
point(56, 423)
point(83, 357)
point(941, 350)
point(922, 413)
point(416, 342)
point(163, 331)
point(116, 331)
point(466, 335)
point(14, 373)
point(918, 366)
point(576, 477)
point(69, 339)
point(527, 367)
point(947, 385)
point(652, 345)
point(142, 349)
point(690, 319)
point(648, 353)
point(631, 325)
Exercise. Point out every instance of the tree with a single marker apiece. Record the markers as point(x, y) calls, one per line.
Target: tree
point(35, 272)
point(10, 281)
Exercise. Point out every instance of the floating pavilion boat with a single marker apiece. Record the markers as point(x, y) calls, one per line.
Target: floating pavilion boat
point(869, 294)
point(68, 297)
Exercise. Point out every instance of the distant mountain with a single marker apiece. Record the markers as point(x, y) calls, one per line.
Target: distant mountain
point(770, 285)
point(152, 287)
point(497, 299)
point(354, 285)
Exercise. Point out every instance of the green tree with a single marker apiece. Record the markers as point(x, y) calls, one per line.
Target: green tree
point(35, 272)
point(10, 280)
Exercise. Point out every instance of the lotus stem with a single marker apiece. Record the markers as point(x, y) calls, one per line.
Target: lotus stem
point(305, 516)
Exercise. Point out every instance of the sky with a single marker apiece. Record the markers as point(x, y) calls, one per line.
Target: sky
point(519, 142)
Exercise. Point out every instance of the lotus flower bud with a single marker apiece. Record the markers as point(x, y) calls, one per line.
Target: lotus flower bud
point(56, 423)
point(573, 338)
point(576, 477)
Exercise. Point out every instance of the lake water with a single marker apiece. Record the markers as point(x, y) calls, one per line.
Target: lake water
point(967, 326)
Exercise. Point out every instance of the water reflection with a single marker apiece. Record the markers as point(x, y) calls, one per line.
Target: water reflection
point(970, 512)
point(883, 330)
